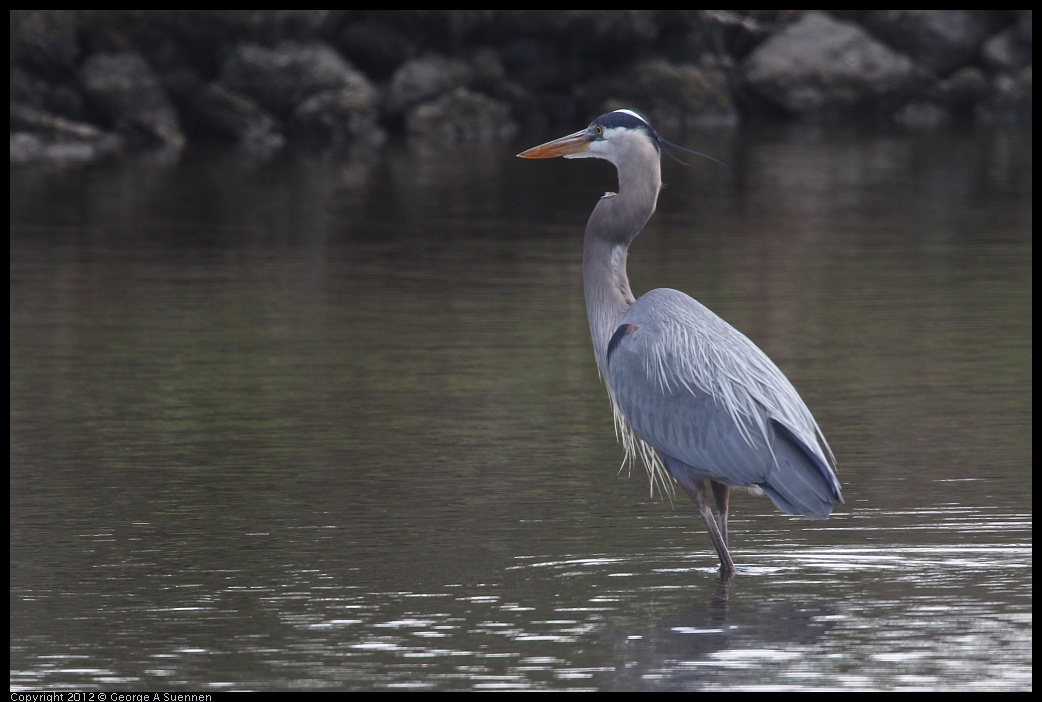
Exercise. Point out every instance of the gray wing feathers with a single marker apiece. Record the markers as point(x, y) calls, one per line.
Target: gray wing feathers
point(700, 392)
point(800, 482)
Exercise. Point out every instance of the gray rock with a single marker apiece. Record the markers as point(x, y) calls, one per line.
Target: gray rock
point(821, 65)
point(41, 136)
point(1007, 51)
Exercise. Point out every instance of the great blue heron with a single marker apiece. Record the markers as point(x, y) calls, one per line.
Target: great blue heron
point(691, 395)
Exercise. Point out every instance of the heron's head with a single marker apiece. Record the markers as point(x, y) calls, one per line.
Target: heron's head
point(618, 136)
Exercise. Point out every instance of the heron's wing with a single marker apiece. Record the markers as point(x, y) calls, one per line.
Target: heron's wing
point(700, 392)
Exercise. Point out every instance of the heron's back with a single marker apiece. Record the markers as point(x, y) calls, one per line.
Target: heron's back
point(715, 406)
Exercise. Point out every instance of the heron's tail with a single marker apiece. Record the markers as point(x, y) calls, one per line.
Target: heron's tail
point(802, 481)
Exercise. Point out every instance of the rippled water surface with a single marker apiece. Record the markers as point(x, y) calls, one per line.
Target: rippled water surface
point(332, 421)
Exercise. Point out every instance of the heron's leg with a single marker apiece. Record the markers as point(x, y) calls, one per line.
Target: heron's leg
point(697, 490)
point(721, 491)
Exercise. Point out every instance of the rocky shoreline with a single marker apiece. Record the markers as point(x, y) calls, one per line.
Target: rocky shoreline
point(92, 84)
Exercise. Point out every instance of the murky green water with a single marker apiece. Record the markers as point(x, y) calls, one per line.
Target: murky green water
point(333, 421)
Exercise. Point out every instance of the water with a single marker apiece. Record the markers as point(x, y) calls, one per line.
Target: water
point(332, 421)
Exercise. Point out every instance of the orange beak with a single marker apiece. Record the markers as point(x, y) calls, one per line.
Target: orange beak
point(571, 144)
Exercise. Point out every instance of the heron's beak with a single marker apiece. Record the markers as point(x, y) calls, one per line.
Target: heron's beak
point(565, 146)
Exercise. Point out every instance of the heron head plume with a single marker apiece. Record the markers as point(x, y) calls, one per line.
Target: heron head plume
point(608, 137)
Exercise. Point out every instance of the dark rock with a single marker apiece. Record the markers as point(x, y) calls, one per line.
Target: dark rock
point(732, 33)
point(260, 77)
point(60, 97)
point(376, 49)
point(940, 40)
point(461, 115)
point(963, 90)
point(217, 111)
point(1024, 26)
point(129, 96)
point(953, 98)
point(46, 41)
point(536, 64)
point(341, 116)
point(922, 114)
point(673, 96)
point(281, 78)
point(1010, 102)
point(610, 38)
point(423, 79)
point(487, 70)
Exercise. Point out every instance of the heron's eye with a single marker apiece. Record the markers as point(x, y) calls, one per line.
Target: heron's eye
point(598, 130)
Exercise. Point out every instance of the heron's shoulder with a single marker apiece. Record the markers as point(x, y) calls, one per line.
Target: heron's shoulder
point(681, 340)
point(672, 310)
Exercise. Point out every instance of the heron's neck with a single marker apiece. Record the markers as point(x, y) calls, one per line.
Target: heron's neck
point(614, 224)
